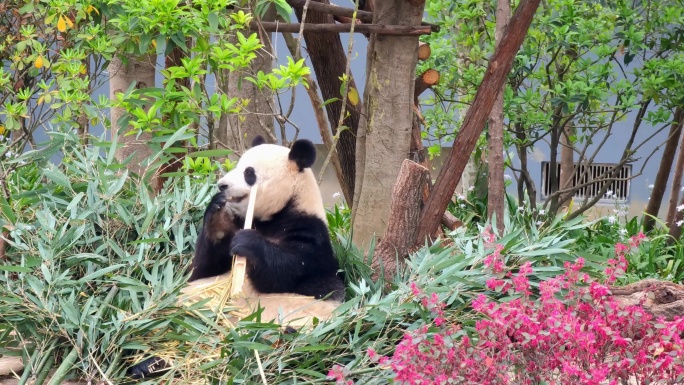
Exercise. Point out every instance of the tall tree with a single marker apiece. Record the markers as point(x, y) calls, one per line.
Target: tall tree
point(329, 62)
point(676, 180)
point(384, 135)
point(496, 189)
point(256, 117)
point(567, 167)
point(663, 174)
point(123, 73)
point(497, 71)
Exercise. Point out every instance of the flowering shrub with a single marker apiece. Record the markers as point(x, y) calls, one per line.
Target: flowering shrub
point(573, 333)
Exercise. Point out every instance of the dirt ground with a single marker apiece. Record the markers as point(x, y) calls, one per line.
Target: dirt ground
point(10, 370)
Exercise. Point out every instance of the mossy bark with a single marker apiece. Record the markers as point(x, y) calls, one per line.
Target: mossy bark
point(384, 133)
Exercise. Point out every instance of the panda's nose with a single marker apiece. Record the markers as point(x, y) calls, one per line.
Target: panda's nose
point(222, 186)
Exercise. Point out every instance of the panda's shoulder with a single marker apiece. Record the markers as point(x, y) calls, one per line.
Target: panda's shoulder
point(292, 217)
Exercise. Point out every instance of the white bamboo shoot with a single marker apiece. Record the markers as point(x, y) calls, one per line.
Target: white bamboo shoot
point(239, 262)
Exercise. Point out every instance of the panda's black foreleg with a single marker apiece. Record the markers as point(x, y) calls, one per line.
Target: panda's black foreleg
point(151, 367)
point(291, 265)
point(212, 250)
point(271, 268)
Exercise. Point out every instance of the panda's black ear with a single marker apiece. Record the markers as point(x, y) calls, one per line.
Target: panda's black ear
point(303, 153)
point(258, 140)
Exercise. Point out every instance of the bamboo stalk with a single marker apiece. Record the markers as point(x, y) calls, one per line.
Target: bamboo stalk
point(239, 262)
point(27, 368)
point(65, 367)
point(43, 372)
point(45, 363)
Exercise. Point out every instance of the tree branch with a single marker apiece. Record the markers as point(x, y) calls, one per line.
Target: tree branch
point(335, 10)
point(381, 29)
point(497, 72)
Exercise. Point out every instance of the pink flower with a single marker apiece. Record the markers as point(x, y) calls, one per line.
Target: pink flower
point(636, 240)
point(621, 249)
point(372, 354)
point(488, 235)
point(494, 261)
point(415, 290)
point(338, 374)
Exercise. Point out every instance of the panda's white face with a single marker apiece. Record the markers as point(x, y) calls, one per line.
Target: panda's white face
point(278, 179)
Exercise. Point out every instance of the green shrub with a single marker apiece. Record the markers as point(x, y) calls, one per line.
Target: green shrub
point(95, 260)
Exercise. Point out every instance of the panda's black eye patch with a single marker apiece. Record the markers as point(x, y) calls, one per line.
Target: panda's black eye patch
point(250, 176)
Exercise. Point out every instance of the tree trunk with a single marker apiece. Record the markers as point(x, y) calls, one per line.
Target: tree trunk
point(426, 80)
point(385, 132)
point(237, 131)
point(663, 175)
point(497, 190)
point(140, 70)
point(399, 237)
point(675, 226)
point(567, 166)
point(497, 71)
point(676, 180)
point(329, 62)
point(175, 162)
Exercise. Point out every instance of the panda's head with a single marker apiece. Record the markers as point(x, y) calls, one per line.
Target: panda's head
point(282, 175)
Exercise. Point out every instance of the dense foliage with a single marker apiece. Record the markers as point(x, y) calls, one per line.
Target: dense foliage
point(96, 264)
point(586, 71)
point(95, 260)
point(571, 331)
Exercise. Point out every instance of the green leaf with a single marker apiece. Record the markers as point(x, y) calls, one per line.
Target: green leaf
point(7, 210)
point(311, 373)
point(15, 269)
point(213, 20)
point(179, 39)
point(97, 274)
point(57, 177)
point(252, 345)
point(210, 153)
point(144, 43)
point(331, 100)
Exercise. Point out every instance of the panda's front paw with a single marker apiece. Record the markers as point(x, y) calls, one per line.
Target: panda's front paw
point(247, 243)
point(217, 202)
point(218, 221)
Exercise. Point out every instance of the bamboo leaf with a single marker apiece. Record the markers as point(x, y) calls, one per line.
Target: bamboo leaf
point(99, 273)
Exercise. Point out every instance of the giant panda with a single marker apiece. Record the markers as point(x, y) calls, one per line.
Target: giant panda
point(289, 249)
point(292, 272)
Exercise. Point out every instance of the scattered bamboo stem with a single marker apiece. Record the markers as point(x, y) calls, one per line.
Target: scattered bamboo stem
point(65, 367)
point(114, 363)
point(240, 263)
point(108, 299)
point(28, 368)
point(261, 367)
point(45, 363)
point(42, 374)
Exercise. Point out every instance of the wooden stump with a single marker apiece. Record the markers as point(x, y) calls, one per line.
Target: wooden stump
point(400, 234)
point(424, 51)
point(426, 80)
point(660, 298)
point(450, 221)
